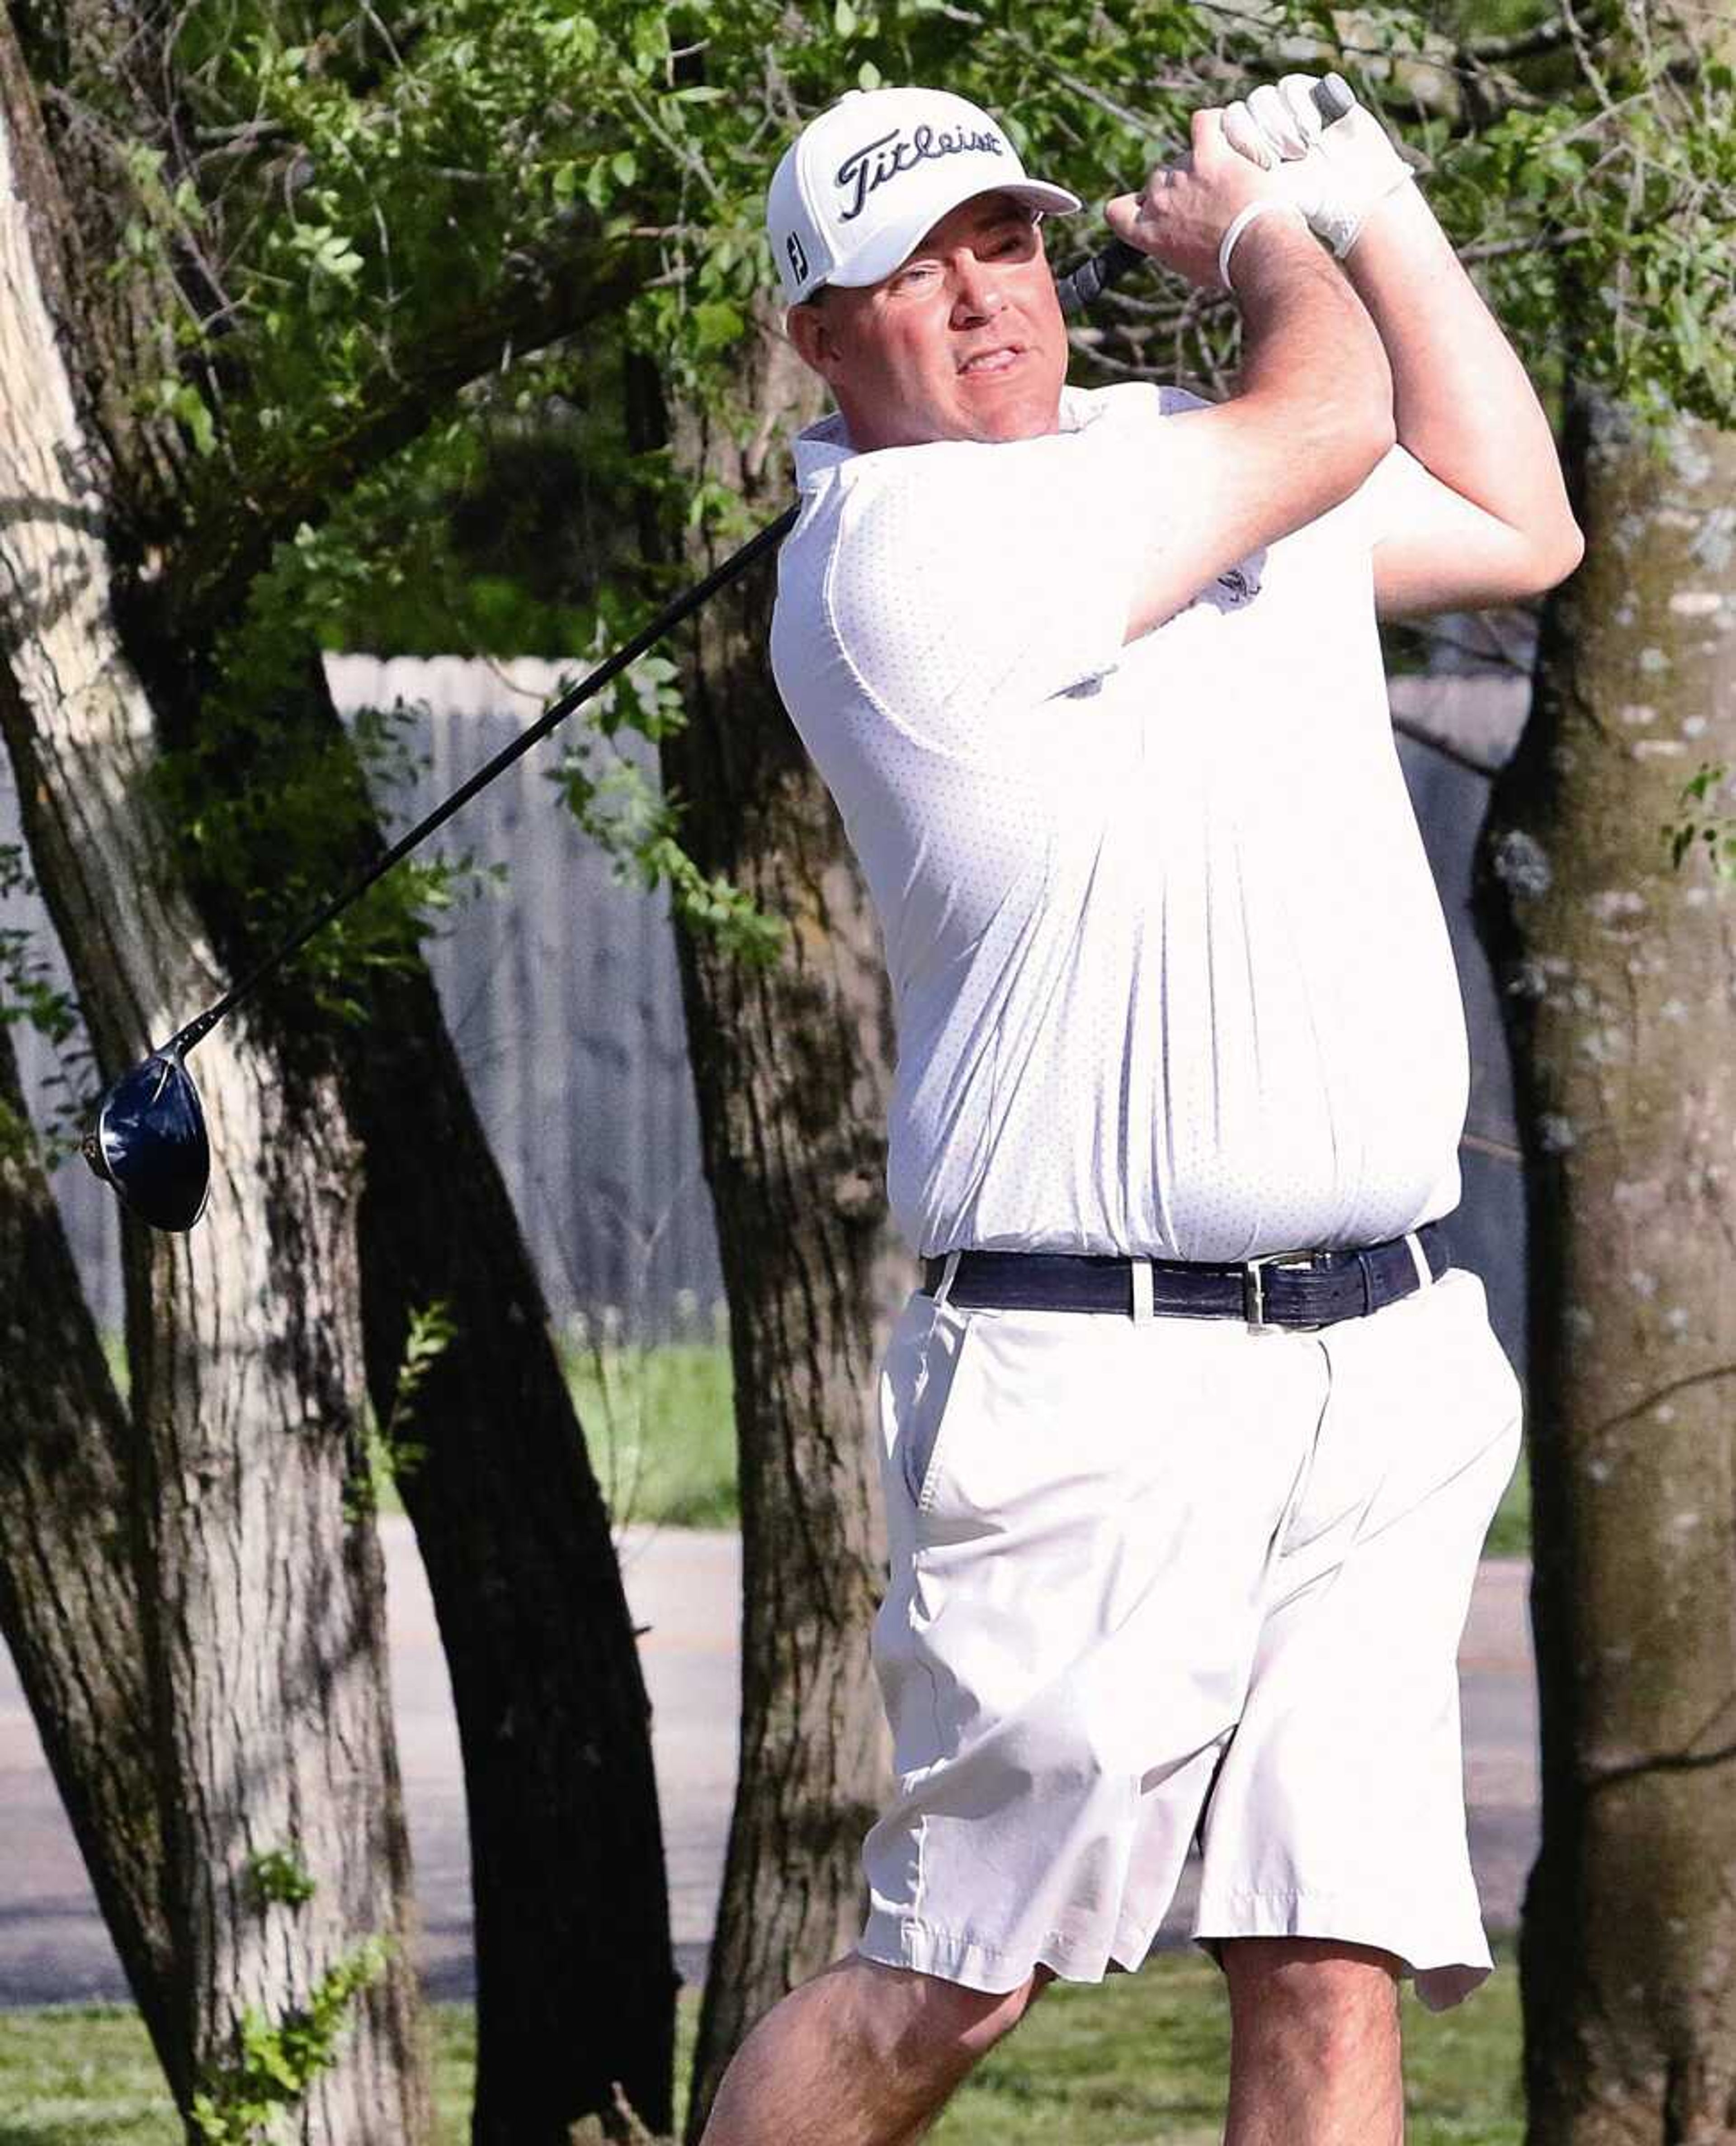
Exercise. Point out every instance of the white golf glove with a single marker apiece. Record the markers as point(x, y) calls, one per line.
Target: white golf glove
point(1336, 173)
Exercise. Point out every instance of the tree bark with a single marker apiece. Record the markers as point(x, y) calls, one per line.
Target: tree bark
point(264, 1624)
point(69, 1606)
point(791, 1066)
point(260, 1593)
point(576, 1978)
point(1618, 974)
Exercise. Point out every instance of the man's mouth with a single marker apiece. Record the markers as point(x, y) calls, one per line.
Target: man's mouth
point(1001, 359)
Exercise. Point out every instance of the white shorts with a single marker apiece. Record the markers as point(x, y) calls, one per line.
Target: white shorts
point(1160, 1579)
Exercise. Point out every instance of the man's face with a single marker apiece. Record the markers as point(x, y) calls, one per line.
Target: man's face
point(964, 341)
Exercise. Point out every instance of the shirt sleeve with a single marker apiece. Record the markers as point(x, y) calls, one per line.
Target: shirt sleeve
point(971, 581)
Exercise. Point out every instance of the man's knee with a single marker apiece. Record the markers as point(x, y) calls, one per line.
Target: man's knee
point(910, 2017)
point(970, 2022)
point(1316, 1994)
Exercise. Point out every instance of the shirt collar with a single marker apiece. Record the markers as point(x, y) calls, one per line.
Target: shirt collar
point(824, 448)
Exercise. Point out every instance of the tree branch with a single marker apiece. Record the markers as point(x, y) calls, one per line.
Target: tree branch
point(295, 481)
point(1550, 37)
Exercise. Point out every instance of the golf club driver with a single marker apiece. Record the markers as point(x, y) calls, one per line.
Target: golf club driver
point(149, 1141)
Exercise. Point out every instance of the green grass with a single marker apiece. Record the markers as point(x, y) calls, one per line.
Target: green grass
point(1140, 2061)
point(1509, 1534)
point(83, 2073)
point(661, 1425)
point(86, 2075)
point(1137, 2061)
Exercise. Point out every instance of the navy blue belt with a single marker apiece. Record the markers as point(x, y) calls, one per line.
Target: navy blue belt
point(1282, 1289)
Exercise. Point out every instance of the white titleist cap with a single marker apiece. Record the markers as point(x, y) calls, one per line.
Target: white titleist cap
point(862, 184)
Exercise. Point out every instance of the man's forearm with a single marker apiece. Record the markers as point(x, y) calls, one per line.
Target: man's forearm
point(1306, 336)
point(1462, 402)
point(1312, 413)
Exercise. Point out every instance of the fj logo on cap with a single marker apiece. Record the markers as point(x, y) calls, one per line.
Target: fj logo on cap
point(878, 161)
point(798, 256)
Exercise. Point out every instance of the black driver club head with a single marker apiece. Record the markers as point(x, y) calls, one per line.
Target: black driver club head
point(150, 1142)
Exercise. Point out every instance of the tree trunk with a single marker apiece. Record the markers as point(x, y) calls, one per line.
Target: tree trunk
point(69, 1606)
point(258, 1572)
point(576, 1980)
point(792, 1068)
point(1619, 977)
point(264, 1599)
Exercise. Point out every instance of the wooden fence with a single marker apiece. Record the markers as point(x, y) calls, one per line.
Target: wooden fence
point(562, 992)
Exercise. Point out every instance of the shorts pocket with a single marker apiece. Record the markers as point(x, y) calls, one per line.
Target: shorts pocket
point(1462, 1412)
point(935, 1405)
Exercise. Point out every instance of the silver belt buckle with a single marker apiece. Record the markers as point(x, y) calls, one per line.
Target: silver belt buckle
point(1254, 1286)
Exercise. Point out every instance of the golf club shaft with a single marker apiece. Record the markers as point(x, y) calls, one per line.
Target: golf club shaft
point(629, 651)
point(1076, 291)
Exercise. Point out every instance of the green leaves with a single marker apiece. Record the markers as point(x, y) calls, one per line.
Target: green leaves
point(619, 806)
point(26, 994)
point(278, 2060)
point(718, 324)
point(275, 803)
point(279, 1878)
point(177, 398)
point(334, 195)
point(330, 260)
point(1709, 835)
point(332, 191)
point(30, 997)
point(1607, 216)
point(390, 1454)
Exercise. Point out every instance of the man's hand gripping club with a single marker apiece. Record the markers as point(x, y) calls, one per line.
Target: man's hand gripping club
point(1312, 412)
point(1190, 215)
point(1328, 154)
point(1490, 522)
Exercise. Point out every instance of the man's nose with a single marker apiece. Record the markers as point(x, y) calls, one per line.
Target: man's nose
point(977, 293)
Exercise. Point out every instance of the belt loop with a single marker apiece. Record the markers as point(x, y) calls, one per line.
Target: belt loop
point(1420, 1260)
point(1365, 1267)
point(1140, 1270)
point(950, 1267)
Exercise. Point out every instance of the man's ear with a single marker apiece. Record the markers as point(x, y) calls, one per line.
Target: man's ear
point(808, 329)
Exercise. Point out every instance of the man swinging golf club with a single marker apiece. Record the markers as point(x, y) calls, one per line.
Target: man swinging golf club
point(1193, 1432)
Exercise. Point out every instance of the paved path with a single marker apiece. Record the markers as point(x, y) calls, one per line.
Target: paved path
point(684, 1585)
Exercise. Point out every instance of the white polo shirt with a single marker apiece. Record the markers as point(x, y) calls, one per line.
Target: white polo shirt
point(1170, 973)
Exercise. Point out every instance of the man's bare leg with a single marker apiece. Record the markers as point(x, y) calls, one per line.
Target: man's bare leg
point(1314, 2052)
point(863, 2055)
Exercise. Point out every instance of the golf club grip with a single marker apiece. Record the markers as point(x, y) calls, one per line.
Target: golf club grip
point(1080, 286)
point(1333, 97)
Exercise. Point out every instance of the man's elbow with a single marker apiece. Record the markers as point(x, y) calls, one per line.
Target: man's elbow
point(1567, 549)
point(1381, 436)
point(1371, 423)
point(1360, 443)
point(1344, 440)
point(1552, 555)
